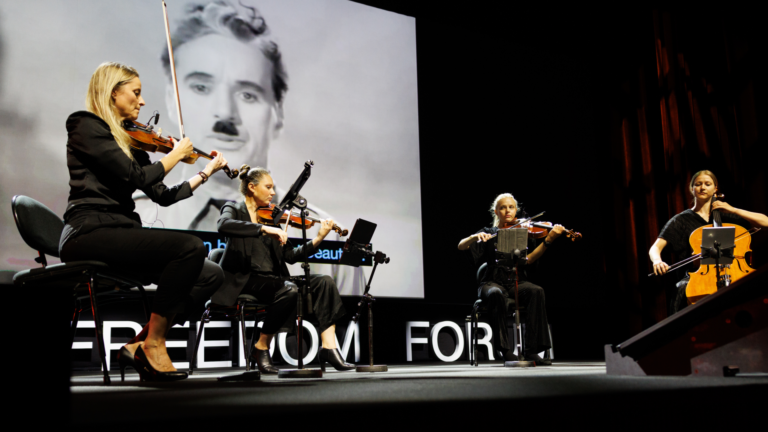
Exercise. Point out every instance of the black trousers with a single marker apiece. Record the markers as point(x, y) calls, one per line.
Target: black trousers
point(531, 297)
point(174, 261)
point(282, 294)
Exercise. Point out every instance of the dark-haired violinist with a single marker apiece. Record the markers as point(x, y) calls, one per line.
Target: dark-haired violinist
point(677, 231)
point(492, 287)
point(101, 225)
point(254, 262)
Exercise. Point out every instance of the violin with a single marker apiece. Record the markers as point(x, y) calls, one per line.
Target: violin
point(539, 230)
point(145, 138)
point(706, 279)
point(294, 220)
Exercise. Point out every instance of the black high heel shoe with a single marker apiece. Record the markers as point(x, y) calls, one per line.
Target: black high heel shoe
point(263, 361)
point(148, 373)
point(125, 359)
point(333, 356)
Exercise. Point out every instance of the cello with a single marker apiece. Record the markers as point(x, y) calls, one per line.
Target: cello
point(706, 279)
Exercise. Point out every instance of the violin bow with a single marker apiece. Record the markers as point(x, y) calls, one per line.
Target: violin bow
point(173, 70)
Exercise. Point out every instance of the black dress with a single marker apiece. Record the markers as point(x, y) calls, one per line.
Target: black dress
point(256, 264)
point(495, 289)
point(100, 223)
point(677, 233)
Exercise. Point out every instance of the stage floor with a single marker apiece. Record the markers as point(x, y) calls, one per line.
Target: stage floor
point(442, 389)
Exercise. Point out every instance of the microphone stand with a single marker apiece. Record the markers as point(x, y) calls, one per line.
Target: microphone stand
point(378, 258)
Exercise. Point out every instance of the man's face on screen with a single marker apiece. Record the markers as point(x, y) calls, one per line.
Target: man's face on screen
point(228, 103)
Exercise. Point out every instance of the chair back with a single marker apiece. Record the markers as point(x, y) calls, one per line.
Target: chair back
point(38, 225)
point(215, 255)
point(481, 271)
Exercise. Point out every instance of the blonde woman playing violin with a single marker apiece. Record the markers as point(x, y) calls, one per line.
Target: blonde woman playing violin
point(254, 262)
point(494, 293)
point(101, 225)
point(677, 231)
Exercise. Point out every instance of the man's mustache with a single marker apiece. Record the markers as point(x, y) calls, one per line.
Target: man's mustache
point(225, 127)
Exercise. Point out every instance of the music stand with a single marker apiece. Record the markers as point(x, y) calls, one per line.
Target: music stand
point(356, 249)
point(293, 199)
point(511, 251)
point(717, 244)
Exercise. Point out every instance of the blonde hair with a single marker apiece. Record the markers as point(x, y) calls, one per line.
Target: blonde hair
point(250, 175)
point(108, 77)
point(496, 203)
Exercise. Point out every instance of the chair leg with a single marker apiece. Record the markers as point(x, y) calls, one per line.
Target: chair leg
point(144, 301)
point(98, 324)
point(472, 337)
point(73, 322)
point(241, 307)
point(474, 341)
point(203, 320)
point(253, 338)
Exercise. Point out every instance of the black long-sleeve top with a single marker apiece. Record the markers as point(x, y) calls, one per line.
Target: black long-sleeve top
point(102, 178)
point(485, 252)
point(248, 251)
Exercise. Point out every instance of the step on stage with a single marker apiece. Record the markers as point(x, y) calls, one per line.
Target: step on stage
point(435, 393)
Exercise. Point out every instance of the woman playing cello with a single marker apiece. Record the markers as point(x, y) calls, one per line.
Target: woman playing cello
point(492, 290)
point(678, 230)
point(100, 223)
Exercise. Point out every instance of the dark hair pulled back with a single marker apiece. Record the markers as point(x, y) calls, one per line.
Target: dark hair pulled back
point(250, 175)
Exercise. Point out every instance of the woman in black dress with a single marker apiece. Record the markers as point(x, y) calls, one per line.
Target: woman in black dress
point(678, 230)
point(254, 262)
point(494, 292)
point(100, 223)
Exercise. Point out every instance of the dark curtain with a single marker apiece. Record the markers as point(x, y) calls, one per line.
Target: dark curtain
point(694, 99)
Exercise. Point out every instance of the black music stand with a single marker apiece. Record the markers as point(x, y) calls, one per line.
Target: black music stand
point(717, 244)
point(511, 252)
point(356, 249)
point(293, 199)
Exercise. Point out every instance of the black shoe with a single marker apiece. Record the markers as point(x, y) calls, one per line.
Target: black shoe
point(262, 359)
point(125, 359)
point(148, 373)
point(507, 355)
point(333, 356)
point(538, 360)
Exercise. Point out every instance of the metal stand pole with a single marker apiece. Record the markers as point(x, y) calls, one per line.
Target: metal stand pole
point(301, 298)
point(518, 333)
point(367, 298)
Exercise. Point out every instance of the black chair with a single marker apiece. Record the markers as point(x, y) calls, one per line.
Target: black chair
point(41, 229)
point(479, 308)
point(246, 305)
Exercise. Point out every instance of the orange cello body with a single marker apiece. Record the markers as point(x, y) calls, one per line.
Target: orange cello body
point(703, 281)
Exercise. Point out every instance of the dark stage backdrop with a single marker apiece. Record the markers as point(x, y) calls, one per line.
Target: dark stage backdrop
point(598, 117)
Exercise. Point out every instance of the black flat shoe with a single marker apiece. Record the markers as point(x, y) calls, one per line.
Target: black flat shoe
point(507, 355)
point(125, 359)
point(538, 360)
point(263, 361)
point(148, 373)
point(333, 356)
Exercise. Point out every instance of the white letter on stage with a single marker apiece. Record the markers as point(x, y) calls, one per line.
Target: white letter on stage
point(201, 363)
point(312, 347)
point(352, 330)
point(485, 340)
point(459, 340)
point(108, 326)
point(410, 340)
point(250, 324)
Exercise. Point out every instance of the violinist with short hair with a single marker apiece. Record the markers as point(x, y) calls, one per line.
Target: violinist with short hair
point(494, 293)
point(678, 230)
point(254, 262)
point(101, 225)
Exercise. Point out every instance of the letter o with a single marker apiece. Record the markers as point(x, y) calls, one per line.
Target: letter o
point(459, 340)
